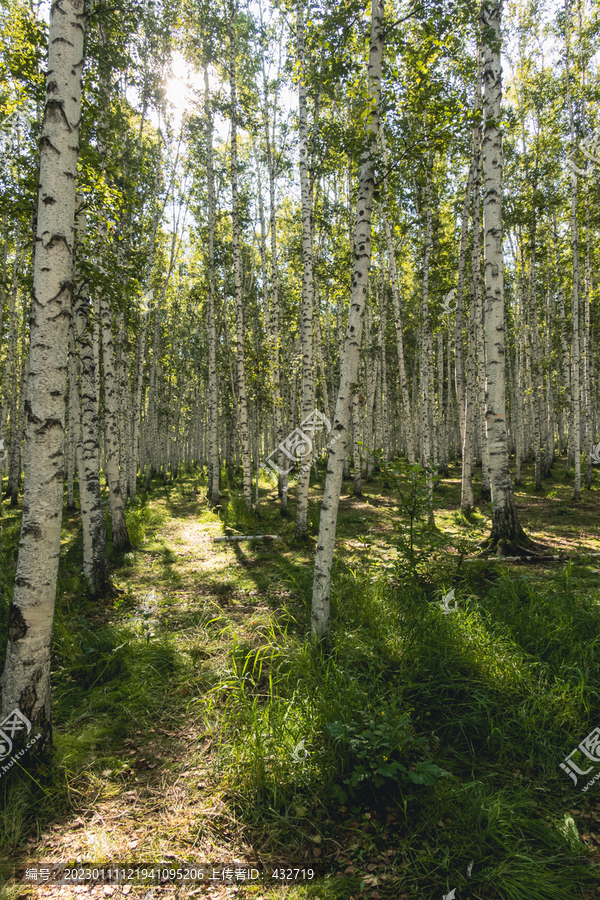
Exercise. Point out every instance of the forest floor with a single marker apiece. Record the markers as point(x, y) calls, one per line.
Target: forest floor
point(194, 724)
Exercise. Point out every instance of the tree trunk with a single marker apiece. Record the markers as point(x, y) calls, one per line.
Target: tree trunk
point(26, 678)
point(406, 405)
point(306, 330)
point(237, 269)
point(123, 412)
point(17, 445)
point(507, 534)
point(95, 557)
point(575, 431)
point(73, 411)
point(384, 399)
point(476, 315)
point(320, 614)
point(120, 536)
point(213, 398)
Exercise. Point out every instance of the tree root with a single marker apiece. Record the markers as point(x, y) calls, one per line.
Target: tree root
point(518, 546)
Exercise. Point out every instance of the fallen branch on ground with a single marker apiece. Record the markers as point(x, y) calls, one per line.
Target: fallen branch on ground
point(565, 555)
point(247, 537)
point(513, 559)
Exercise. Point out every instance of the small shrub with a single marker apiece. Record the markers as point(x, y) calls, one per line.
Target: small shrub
point(374, 750)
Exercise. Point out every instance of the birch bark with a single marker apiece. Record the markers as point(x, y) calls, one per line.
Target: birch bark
point(320, 613)
point(476, 314)
point(356, 455)
point(73, 404)
point(384, 396)
point(575, 431)
point(213, 400)
point(406, 404)
point(95, 556)
point(275, 304)
point(507, 533)
point(16, 445)
point(306, 315)
point(467, 499)
point(426, 355)
point(237, 268)
point(464, 395)
point(122, 415)
point(120, 536)
point(25, 681)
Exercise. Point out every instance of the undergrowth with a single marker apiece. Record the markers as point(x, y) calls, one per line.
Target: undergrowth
point(423, 746)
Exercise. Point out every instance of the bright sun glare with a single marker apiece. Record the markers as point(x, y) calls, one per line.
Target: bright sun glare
point(179, 85)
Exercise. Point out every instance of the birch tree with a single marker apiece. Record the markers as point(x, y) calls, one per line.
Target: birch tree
point(306, 314)
point(213, 399)
point(507, 534)
point(237, 267)
point(320, 613)
point(25, 682)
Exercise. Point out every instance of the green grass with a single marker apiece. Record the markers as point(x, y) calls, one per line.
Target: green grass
point(421, 742)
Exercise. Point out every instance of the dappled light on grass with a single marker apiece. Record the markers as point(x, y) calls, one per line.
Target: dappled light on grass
point(423, 740)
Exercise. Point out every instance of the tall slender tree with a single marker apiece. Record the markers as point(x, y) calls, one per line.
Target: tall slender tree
point(320, 614)
point(306, 314)
point(507, 535)
point(25, 681)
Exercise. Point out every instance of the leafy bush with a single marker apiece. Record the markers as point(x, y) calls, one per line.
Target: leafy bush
point(373, 751)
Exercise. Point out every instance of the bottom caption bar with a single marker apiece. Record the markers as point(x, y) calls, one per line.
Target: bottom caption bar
point(147, 873)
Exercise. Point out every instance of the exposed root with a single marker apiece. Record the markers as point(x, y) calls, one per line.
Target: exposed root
point(512, 547)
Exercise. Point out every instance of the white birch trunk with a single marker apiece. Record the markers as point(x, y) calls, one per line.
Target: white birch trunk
point(213, 398)
point(25, 681)
point(406, 404)
point(16, 449)
point(95, 556)
point(242, 422)
point(120, 536)
point(575, 428)
point(122, 418)
point(320, 614)
point(73, 402)
point(507, 533)
point(384, 394)
point(306, 315)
